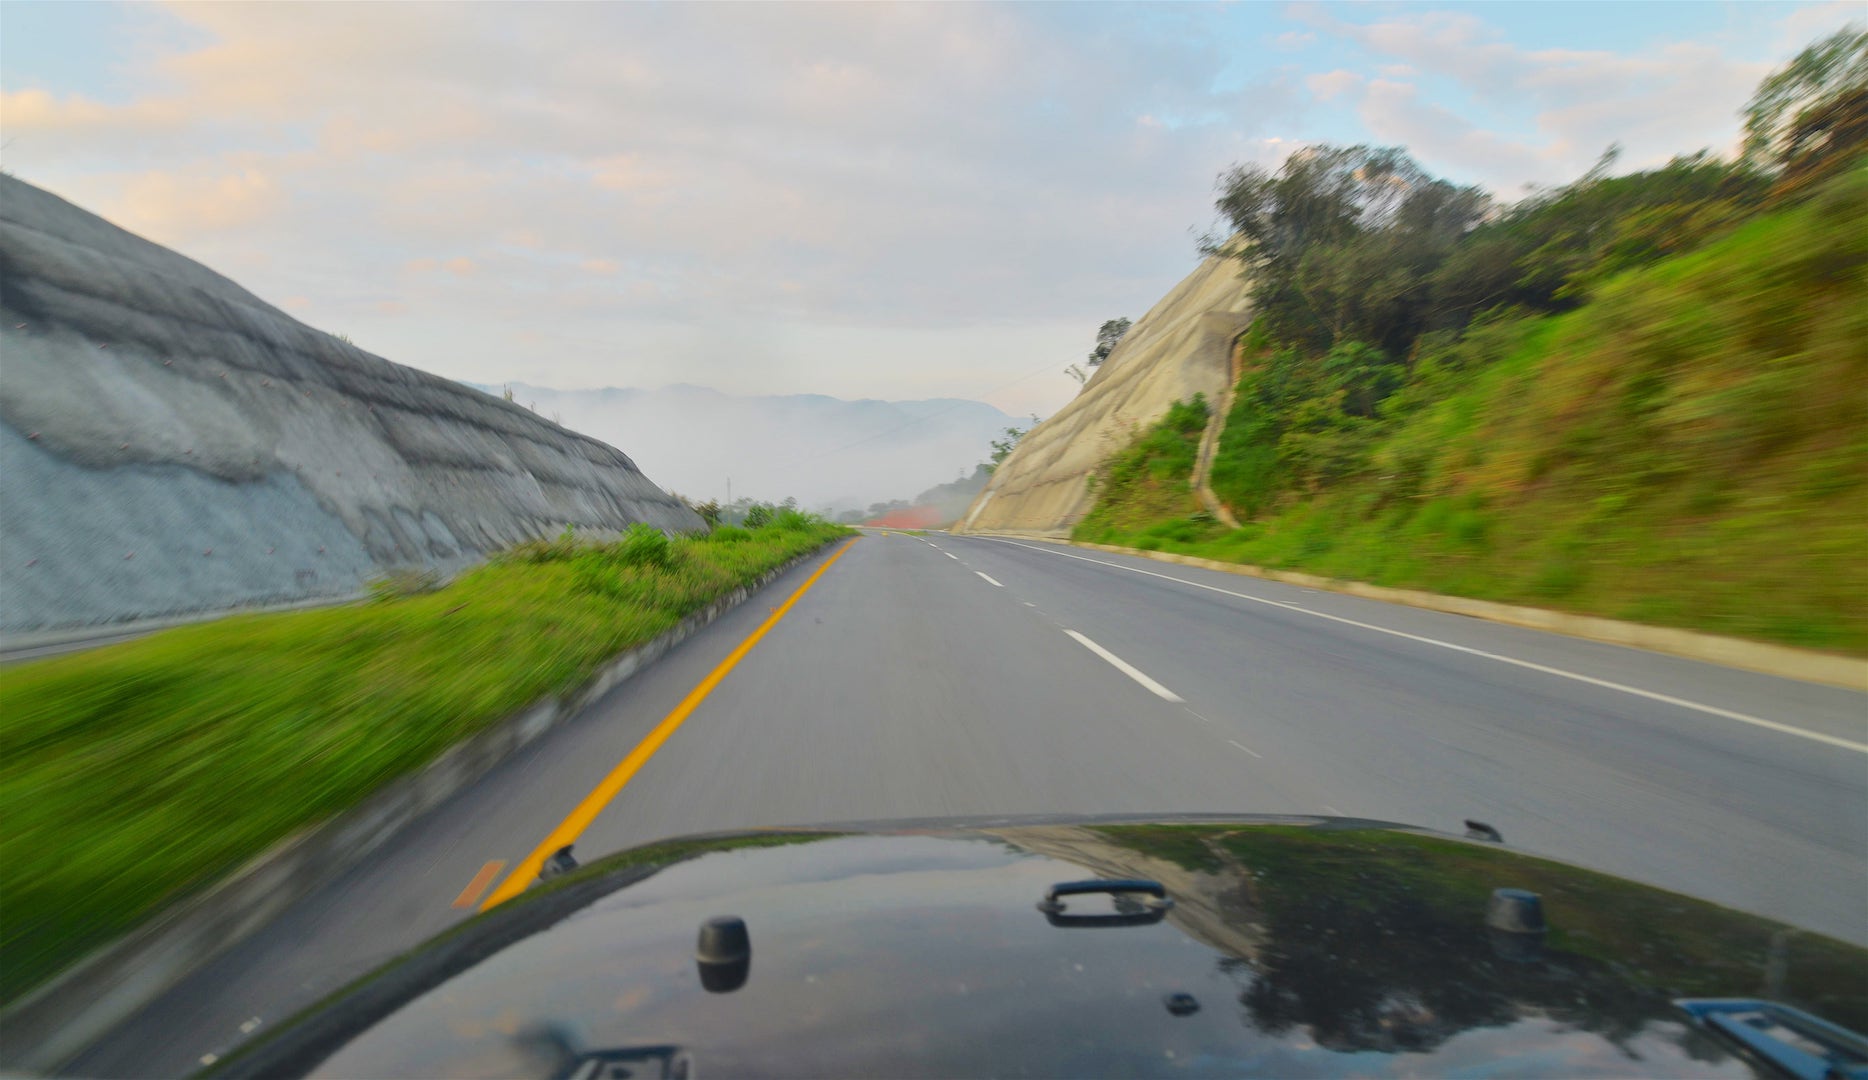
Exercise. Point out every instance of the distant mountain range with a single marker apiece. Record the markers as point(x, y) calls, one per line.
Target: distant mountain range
point(826, 452)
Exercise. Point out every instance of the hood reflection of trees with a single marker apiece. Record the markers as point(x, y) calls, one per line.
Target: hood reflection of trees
point(1372, 946)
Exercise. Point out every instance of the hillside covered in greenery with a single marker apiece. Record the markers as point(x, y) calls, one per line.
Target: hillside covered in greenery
point(1642, 396)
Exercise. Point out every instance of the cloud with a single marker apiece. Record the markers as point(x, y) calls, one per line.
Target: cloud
point(1396, 110)
point(731, 150)
point(722, 194)
point(34, 111)
point(626, 172)
point(1802, 25)
point(1333, 84)
point(1656, 102)
point(187, 204)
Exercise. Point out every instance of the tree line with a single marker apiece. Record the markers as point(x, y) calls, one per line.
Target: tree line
point(1373, 279)
point(1357, 254)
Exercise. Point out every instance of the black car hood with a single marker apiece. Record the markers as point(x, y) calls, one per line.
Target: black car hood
point(1293, 947)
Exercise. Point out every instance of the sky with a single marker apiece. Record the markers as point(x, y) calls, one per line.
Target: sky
point(867, 200)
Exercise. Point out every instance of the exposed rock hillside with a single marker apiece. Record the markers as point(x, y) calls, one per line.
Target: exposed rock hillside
point(170, 443)
point(1182, 347)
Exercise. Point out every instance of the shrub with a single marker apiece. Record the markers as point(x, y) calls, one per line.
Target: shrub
point(1149, 478)
point(644, 545)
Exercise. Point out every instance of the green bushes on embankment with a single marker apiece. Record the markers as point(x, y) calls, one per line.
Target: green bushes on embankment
point(1687, 445)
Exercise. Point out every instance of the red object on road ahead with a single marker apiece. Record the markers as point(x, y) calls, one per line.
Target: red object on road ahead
point(915, 517)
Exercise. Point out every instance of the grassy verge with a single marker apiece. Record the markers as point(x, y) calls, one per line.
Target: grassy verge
point(1688, 448)
point(133, 775)
point(1144, 489)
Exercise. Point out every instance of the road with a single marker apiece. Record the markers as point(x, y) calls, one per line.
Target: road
point(939, 676)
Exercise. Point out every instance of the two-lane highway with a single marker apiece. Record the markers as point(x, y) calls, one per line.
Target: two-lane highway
point(934, 676)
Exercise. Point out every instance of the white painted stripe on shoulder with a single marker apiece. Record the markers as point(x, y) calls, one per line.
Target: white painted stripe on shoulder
point(1126, 668)
point(1666, 699)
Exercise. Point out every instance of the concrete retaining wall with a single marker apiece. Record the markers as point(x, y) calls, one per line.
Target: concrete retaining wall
point(170, 443)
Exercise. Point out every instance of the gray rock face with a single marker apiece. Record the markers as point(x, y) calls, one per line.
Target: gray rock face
point(169, 443)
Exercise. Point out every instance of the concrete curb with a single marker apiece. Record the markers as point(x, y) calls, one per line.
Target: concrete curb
point(57, 1021)
point(1783, 661)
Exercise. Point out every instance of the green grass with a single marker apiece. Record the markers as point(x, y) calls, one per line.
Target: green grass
point(1148, 481)
point(133, 775)
point(1689, 448)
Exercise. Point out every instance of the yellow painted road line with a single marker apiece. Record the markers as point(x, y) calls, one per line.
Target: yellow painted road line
point(471, 894)
point(586, 812)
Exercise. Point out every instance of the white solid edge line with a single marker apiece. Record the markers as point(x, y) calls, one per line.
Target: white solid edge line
point(1125, 668)
point(988, 578)
point(1710, 710)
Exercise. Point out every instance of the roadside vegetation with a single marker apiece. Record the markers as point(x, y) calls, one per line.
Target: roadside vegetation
point(133, 775)
point(1144, 491)
point(1638, 396)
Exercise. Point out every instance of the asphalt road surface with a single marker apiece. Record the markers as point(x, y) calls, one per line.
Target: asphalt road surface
point(938, 676)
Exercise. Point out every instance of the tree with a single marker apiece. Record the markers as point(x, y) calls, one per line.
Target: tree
point(1363, 375)
point(1078, 374)
point(1108, 336)
point(1321, 195)
point(1328, 226)
point(1812, 108)
point(1002, 448)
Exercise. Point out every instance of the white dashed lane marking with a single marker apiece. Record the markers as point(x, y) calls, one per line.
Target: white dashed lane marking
point(1667, 699)
point(1128, 669)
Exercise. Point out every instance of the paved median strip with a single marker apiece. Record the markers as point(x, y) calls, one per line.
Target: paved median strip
point(1667, 699)
point(1126, 668)
point(601, 796)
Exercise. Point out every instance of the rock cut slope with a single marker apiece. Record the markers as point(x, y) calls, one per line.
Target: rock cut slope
point(1182, 347)
point(170, 443)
